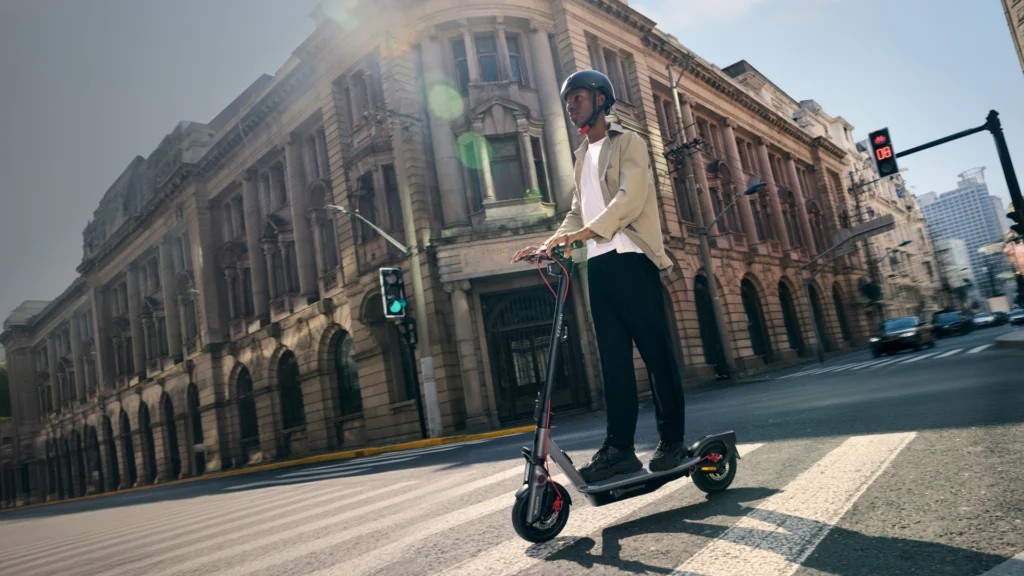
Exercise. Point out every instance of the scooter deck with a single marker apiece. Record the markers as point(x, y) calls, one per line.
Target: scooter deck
point(639, 477)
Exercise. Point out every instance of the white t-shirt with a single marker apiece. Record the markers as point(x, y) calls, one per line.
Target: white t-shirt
point(593, 204)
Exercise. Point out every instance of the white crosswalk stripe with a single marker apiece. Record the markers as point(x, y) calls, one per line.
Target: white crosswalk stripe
point(364, 524)
point(877, 364)
point(950, 353)
point(918, 357)
point(979, 349)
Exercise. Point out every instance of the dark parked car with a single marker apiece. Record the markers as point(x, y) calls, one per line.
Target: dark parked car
point(1017, 316)
point(952, 324)
point(900, 334)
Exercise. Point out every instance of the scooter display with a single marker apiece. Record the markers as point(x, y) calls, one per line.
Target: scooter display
point(542, 505)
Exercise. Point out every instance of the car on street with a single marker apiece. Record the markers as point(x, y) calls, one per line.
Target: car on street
point(1017, 316)
point(952, 324)
point(985, 320)
point(907, 332)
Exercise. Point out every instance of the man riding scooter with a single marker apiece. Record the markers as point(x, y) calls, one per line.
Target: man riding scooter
point(615, 212)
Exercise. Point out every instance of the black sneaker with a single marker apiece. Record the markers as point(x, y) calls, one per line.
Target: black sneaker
point(668, 456)
point(610, 461)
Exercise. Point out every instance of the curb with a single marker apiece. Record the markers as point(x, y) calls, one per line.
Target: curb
point(345, 455)
point(1012, 340)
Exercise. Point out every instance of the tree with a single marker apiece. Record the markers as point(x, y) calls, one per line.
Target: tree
point(5, 393)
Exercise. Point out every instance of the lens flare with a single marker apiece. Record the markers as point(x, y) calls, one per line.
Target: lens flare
point(468, 145)
point(445, 101)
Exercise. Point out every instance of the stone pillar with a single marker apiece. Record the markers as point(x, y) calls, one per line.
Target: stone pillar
point(484, 159)
point(170, 301)
point(504, 66)
point(134, 310)
point(147, 335)
point(524, 141)
point(163, 459)
point(801, 204)
point(141, 462)
point(315, 219)
point(122, 461)
point(321, 153)
point(51, 352)
point(471, 61)
point(303, 235)
point(446, 161)
point(257, 265)
point(741, 181)
point(700, 177)
point(97, 302)
point(556, 139)
point(269, 250)
point(104, 455)
point(476, 416)
point(778, 222)
point(76, 354)
point(184, 443)
point(203, 244)
point(230, 274)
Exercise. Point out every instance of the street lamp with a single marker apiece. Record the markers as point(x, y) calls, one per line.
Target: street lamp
point(340, 210)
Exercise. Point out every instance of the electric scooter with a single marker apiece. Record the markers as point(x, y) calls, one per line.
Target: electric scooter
point(542, 505)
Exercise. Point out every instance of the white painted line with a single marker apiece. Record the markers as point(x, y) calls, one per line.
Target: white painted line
point(777, 536)
point(378, 458)
point(886, 363)
point(795, 375)
point(516, 555)
point(159, 535)
point(849, 367)
point(322, 476)
point(950, 353)
point(422, 496)
point(325, 472)
point(919, 357)
point(978, 349)
point(1012, 567)
point(869, 364)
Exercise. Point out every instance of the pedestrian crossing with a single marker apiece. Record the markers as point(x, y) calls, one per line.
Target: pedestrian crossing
point(440, 519)
point(883, 362)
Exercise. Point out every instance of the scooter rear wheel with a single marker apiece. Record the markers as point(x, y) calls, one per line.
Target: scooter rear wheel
point(720, 479)
point(551, 522)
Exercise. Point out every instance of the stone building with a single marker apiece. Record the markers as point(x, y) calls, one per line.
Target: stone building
point(1014, 12)
point(223, 316)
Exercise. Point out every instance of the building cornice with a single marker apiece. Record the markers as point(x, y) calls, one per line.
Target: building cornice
point(623, 13)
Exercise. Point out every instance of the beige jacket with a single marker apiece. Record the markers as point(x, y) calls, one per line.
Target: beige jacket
point(625, 168)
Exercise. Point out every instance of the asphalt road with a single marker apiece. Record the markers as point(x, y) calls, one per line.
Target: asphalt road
point(902, 465)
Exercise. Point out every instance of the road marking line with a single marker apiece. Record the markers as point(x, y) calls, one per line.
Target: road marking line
point(424, 495)
point(800, 516)
point(516, 555)
point(886, 363)
point(919, 357)
point(979, 349)
point(326, 472)
point(322, 476)
point(373, 459)
point(1012, 567)
point(869, 364)
point(185, 531)
point(950, 353)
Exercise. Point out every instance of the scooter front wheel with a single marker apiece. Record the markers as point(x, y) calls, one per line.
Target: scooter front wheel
point(717, 480)
point(551, 521)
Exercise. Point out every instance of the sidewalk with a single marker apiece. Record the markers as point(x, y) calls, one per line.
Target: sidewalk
point(1014, 339)
point(314, 459)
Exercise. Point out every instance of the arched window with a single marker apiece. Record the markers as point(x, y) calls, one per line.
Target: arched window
point(756, 326)
point(195, 429)
point(346, 374)
point(791, 319)
point(249, 425)
point(293, 411)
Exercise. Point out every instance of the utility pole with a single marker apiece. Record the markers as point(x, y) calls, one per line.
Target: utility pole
point(705, 251)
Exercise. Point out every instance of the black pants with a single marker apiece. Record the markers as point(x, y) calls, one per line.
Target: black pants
point(627, 306)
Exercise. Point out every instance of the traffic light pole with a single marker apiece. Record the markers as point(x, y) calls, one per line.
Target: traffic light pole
point(410, 335)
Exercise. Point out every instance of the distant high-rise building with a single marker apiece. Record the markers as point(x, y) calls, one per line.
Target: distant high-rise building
point(968, 213)
point(1014, 11)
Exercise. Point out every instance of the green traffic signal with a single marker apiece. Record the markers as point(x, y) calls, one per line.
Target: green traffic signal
point(397, 306)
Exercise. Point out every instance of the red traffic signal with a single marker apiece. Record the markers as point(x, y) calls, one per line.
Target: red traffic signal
point(883, 153)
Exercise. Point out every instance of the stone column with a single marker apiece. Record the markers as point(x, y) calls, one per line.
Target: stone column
point(778, 222)
point(76, 354)
point(147, 335)
point(524, 141)
point(556, 139)
point(163, 459)
point(300, 206)
point(251, 208)
point(314, 219)
point(476, 417)
point(741, 182)
point(51, 351)
point(184, 443)
point(104, 455)
point(309, 161)
point(446, 161)
point(471, 61)
point(170, 302)
point(134, 309)
point(104, 372)
point(269, 250)
point(484, 158)
point(230, 274)
point(321, 151)
point(801, 205)
point(504, 66)
point(700, 177)
point(141, 461)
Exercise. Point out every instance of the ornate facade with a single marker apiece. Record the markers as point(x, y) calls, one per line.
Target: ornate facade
point(223, 316)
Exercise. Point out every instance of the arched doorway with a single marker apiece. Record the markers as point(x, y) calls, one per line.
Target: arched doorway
point(819, 318)
point(709, 337)
point(249, 426)
point(346, 375)
point(170, 437)
point(148, 448)
point(195, 427)
point(844, 328)
point(756, 325)
point(129, 451)
point(518, 329)
point(791, 319)
point(293, 412)
point(113, 469)
point(95, 463)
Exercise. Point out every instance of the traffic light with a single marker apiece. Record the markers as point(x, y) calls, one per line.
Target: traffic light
point(392, 290)
point(883, 152)
point(1018, 217)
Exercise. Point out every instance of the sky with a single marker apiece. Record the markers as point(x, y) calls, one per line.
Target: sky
point(90, 84)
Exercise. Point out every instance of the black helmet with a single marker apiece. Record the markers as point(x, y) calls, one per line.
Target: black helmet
point(591, 80)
